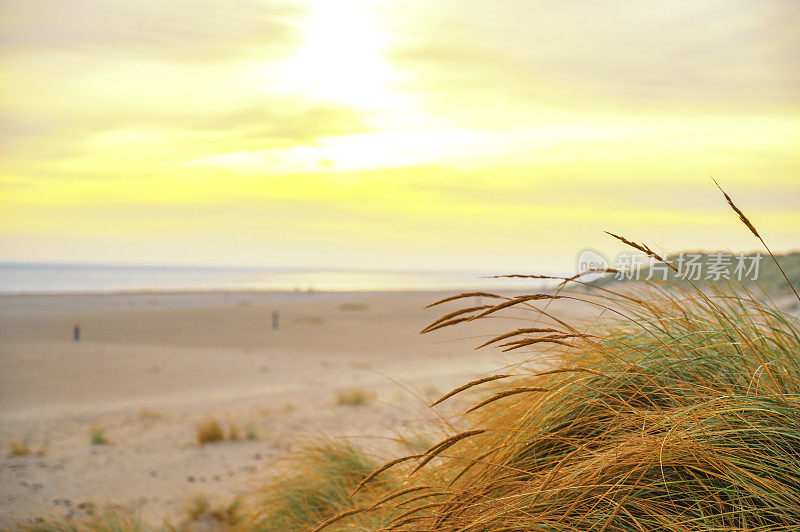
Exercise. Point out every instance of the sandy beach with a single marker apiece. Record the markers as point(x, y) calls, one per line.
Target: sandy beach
point(149, 367)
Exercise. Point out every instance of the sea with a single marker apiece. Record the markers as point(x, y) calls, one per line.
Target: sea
point(56, 278)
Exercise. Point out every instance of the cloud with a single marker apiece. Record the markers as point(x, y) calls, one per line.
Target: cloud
point(31, 140)
point(519, 54)
point(177, 30)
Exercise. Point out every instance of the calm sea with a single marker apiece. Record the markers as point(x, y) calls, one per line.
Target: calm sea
point(21, 278)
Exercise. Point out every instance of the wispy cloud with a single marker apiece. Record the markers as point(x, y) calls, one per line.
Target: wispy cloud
point(740, 54)
point(178, 30)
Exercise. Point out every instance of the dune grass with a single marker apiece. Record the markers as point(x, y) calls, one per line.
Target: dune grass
point(677, 409)
point(149, 416)
point(354, 397)
point(209, 431)
point(680, 412)
point(350, 307)
point(98, 436)
point(202, 513)
point(319, 485)
point(18, 448)
point(688, 418)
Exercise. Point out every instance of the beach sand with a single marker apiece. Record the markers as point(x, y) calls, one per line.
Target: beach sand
point(149, 367)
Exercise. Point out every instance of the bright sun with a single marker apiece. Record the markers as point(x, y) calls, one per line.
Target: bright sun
point(342, 58)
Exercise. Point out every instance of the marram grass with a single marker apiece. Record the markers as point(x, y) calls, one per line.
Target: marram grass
point(681, 413)
point(318, 483)
point(674, 410)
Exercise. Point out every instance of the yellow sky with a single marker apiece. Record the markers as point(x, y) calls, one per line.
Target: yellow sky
point(495, 134)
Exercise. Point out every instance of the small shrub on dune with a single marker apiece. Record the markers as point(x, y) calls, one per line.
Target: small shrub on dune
point(98, 437)
point(209, 431)
point(149, 416)
point(201, 514)
point(353, 398)
point(18, 448)
point(350, 307)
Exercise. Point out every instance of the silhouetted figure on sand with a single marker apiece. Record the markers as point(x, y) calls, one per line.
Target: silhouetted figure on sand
point(275, 319)
point(76, 332)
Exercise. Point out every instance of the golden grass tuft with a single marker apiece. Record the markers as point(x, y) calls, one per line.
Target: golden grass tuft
point(354, 397)
point(149, 416)
point(209, 431)
point(202, 514)
point(353, 307)
point(97, 436)
point(318, 487)
point(18, 448)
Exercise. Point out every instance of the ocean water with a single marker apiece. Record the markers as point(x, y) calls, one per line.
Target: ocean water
point(50, 278)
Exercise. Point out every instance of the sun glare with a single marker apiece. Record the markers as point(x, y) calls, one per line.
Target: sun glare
point(341, 59)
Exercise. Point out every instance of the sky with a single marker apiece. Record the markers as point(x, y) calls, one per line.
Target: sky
point(394, 134)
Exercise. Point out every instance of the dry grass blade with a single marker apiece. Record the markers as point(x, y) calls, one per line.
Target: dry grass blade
point(644, 249)
point(571, 370)
point(525, 343)
point(454, 321)
point(401, 518)
point(347, 513)
point(435, 324)
point(551, 339)
point(738, 211)
point(512, 391)
point(515, 301)
point(466, 294)
point(753, 230)
point(437, 449)
point(466, 387)
point(564, 280)
point(400, 493)
point(447, 442)
point(383, 468)
point(521, 276)
point(471, 464)
point(425, 496)
point(528, 330)
point(406, 521)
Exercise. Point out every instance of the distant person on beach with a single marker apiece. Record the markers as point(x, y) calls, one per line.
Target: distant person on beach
point(76, 332)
